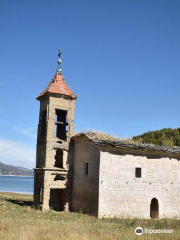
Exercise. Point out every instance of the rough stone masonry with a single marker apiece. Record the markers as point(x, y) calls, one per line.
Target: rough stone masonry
point(95, 173)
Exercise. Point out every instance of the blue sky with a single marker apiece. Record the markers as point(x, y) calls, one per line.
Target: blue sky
point(121, 57)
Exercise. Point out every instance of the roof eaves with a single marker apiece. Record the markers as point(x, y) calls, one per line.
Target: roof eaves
point(131, 146)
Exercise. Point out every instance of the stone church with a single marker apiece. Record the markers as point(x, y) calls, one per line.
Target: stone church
point(98, 174)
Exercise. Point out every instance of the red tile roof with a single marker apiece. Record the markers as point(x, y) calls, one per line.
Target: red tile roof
point(58, 86)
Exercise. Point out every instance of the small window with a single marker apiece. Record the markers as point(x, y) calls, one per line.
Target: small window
point(138, 172)
point(43, 123)
point(86, 168)
point(59, 177)
point(59, 158)
point(41, 158)
point(37, 179)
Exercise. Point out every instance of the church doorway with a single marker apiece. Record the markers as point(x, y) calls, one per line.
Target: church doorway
point(154, 208)
point(57, 199)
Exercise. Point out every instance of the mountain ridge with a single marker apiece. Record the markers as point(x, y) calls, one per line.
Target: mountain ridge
point(11, 170)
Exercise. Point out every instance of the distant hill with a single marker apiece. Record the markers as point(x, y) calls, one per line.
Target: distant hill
point(165, 137)
point(12, 170)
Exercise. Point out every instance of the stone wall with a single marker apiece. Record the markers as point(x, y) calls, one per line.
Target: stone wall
point(85, 187)
point(48, 145)
point(63, 104)
point(121, 194)
point(51, 145)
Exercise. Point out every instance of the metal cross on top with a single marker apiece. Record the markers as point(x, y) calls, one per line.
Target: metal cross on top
point(59, 60)
point(59, 54)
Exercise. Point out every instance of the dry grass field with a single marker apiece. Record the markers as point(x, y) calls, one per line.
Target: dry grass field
point(19, 221)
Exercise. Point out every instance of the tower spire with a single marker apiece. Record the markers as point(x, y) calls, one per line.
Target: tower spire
point(59, 61)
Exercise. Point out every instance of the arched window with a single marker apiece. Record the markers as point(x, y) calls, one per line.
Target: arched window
point(154, 208)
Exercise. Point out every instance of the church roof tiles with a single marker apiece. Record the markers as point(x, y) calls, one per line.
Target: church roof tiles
point(59, 86)
point(102, 140)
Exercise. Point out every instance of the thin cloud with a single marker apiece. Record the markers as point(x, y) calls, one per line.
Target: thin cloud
point(27, 132)
point(17, 153)
point(2, 84)
point(11, 80)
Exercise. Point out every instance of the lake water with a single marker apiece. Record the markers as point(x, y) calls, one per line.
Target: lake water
point(16, 184)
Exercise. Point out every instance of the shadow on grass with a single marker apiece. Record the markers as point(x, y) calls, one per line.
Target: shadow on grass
point(21, 202)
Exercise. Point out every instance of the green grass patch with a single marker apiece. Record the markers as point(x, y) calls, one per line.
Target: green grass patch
point(20, 221)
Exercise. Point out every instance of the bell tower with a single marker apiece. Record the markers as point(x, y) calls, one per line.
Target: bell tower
point(55, 128)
